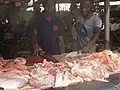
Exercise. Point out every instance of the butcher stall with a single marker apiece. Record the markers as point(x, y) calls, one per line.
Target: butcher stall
point(73, 71)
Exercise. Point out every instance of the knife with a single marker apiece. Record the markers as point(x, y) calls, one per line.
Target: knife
point(48, 57)
point(76, 49)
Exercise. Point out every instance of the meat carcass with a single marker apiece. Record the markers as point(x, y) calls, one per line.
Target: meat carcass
point(65, 78)
point(88, 69)
point(14, 74)
point(110, 60)
point(17, 64)
point(11, 80)
point(48, 74)
point(44, 74)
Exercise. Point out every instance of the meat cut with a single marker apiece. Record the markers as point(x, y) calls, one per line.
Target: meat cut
point(17, 64)
point(48, 74)
point(110, 60)
point(44, 74)
point(13, 74)
point(88, 69)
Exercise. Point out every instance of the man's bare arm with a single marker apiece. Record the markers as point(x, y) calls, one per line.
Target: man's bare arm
point(36, 46)
point(62, 44)
point(95, 36)
point(93, 40)
point(74, 33)
point(96, 30)
point(34, 37)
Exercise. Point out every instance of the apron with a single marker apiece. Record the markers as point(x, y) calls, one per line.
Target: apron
point(82, 38)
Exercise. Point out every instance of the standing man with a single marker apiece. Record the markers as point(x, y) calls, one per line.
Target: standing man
point(47, 34)
point(87, 28)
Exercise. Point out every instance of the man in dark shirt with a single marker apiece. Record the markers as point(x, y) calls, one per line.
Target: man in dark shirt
point(47, 35)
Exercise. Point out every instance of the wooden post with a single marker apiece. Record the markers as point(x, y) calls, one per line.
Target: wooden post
point(33, 5)
point(107, 27)
point(51, 5)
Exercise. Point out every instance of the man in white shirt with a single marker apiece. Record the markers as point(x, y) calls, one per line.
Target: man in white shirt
point(87, 28)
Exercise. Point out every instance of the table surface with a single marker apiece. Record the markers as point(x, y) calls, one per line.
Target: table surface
point(94, 85)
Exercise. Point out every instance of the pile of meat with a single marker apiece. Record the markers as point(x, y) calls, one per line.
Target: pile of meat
point(95, 66)
point(110, 60)
point(17, 65)
point(13, 73)
point(44, 74)
point(48, 74)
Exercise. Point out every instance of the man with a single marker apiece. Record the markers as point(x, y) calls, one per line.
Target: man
point(87, 28)
point(47, 35)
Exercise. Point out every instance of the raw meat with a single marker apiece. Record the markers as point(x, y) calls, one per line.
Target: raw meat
point(16, 65)
point(12, 81)
point(88, 69)
point(13, 73)
point(44, 75)
point(110, 60)
point(48, 74)
point(79, 71)
point(20, 60)
point(65, 78)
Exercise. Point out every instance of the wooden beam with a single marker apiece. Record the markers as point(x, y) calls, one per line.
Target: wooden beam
point(51, 6)
point(107, 26)
point(33, 5)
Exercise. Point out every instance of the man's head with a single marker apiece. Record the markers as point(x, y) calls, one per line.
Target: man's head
point(86, 7)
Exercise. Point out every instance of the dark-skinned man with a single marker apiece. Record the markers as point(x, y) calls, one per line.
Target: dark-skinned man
point(86, 29)
point(47, 34)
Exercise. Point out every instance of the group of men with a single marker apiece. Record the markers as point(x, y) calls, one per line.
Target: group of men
point(47, 31)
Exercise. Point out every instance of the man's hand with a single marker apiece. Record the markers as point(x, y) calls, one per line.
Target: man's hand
point(37, 50)
point(96, 33)
point(87, 49)
point(62, 44)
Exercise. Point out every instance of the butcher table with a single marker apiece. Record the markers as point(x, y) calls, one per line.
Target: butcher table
point(94, 85)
